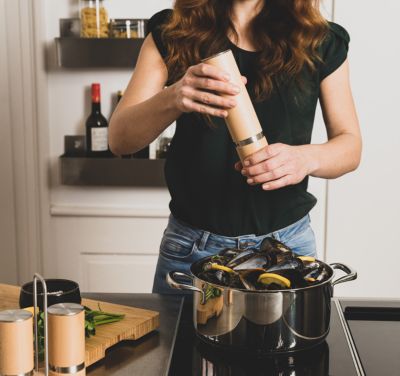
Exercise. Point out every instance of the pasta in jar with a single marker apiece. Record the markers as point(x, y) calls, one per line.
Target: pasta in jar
point(94, 19)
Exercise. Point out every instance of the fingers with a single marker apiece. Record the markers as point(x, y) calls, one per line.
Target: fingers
point(205, 76)
point(276, 184)
point(210, 99)
point(215, 85)
point(238, 166)
point(263, 154)
point(191, 105)
point(268, 176)
point(244, 79)
point(208, 70)
point(264, 166)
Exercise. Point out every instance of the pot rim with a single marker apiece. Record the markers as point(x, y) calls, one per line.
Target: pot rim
point(329, 280)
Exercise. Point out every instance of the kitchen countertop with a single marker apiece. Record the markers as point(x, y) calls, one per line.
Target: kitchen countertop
point(151, 354)
point(174, 350)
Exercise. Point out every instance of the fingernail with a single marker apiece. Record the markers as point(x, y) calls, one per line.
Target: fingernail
point(232, 103)
point(265, 186)
point(250, 181)
point(227, 77)
point(246, 163)
point(236, 89)
point(243, 172)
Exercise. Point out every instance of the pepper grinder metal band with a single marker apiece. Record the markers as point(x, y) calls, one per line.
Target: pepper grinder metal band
point(242, 120)
point(67, 339)
point(16, 343)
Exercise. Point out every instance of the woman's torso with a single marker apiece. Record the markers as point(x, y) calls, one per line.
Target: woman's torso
point(206, 191)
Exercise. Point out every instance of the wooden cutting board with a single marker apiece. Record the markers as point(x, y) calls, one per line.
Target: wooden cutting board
point(136, 323)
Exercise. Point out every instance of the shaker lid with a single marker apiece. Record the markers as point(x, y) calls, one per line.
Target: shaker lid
point(65, 309)
point(15, 315)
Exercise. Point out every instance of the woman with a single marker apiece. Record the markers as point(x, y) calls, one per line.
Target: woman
point(290, 57)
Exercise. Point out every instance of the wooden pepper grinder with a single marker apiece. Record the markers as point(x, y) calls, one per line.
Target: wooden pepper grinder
point(242, 120)
point(16, 343)
point(66, 339)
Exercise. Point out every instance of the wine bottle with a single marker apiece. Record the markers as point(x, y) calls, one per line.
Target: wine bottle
point(97, 128)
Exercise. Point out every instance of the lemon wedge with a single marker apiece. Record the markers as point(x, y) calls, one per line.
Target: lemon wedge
point(268, 278)
point(32, 310)
point(310, 279)
point(306, 258)
point(221, 267)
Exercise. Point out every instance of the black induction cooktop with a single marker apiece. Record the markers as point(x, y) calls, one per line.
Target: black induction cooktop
point(364, 339)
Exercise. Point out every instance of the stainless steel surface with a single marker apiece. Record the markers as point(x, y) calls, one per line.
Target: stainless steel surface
point(182, 286)
point(351, 274)
point(37, 277)
point(349, 338)
point(68, 370)
point(14, 315)
point(262, 321)
point(65, 309)
point(249, 140)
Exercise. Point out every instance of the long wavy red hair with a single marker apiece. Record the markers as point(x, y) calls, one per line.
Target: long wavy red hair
point(287, 32)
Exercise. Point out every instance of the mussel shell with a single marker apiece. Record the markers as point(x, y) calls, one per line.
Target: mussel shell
point(241, 257)
point(288, 264)
point(257, 261)
point(249, 279)
point(270, 244)
point(294, 276)
point(229, 252)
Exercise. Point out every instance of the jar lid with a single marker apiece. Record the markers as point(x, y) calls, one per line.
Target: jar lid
point(65, 309)
point(15, 315)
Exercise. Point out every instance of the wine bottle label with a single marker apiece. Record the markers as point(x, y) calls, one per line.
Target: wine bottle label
point(100, 139)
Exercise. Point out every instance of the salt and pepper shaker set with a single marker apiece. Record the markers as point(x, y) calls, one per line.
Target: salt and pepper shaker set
point(64, 337)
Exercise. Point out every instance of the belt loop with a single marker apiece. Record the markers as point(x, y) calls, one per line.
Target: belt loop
point(203, 240)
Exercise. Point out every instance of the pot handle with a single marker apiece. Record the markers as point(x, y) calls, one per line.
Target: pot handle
point(172, 282)
point(351, 274)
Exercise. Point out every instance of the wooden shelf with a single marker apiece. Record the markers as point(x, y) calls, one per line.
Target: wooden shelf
point(112, 172)
point(75, 52)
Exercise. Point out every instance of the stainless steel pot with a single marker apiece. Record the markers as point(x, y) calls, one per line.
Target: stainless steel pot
point(262, 322)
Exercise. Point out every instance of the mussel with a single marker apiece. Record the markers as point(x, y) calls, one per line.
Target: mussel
point(241, 257)
point(271, 267)
point(276, 250)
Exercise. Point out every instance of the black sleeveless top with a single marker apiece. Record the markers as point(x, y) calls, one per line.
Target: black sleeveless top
point(206, 191)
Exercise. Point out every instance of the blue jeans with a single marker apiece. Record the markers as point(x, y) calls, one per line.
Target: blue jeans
point(182, 245)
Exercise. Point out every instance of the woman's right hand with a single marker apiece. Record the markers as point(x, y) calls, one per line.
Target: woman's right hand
point(200, 90)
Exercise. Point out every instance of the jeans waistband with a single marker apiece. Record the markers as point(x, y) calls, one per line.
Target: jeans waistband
point(208, 238)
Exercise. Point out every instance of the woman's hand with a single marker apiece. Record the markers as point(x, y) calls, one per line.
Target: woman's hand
point(278, 165)
point(200, 90)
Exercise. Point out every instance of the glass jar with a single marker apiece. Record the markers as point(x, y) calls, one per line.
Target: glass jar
point(94, 19)
point(127, 28)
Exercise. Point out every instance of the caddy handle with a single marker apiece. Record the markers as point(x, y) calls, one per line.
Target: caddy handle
point(172, 282)
point(351, 274)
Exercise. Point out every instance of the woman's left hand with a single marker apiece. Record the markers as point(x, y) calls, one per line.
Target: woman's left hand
point(277, 165)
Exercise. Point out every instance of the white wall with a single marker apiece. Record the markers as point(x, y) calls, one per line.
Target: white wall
point(8, 252)
point(363, 207)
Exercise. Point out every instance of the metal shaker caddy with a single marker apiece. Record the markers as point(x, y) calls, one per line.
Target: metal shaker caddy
point(63, 338)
